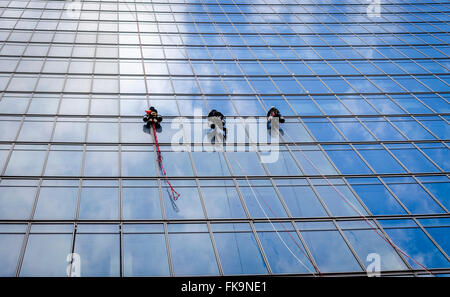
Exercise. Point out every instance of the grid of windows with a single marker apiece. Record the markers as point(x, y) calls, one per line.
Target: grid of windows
point(366, 101)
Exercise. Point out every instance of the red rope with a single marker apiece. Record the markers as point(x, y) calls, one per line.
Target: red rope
point(175, 194)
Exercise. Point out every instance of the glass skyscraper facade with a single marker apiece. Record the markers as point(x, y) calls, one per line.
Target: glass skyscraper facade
point(362, 171)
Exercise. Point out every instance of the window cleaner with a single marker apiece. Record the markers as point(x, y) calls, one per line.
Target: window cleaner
point(272, 114)
point(216, 121)
point(153, 119)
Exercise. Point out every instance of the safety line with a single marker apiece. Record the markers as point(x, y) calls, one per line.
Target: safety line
point(366, 220)
point(273, 226)
point(174, 193)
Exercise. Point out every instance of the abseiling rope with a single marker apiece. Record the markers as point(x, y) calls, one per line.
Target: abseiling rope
point(273, 226)
point(175, 194)
point(366, 220)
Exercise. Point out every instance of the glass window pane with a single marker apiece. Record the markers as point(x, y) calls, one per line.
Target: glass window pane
point(10, 245)
point(16, 202)
point(301, 201)
point(99, 203)
point(239, 253)
point(145, 255)
point(185, 247)
point(187, 207)
point(100, 254)
point(141, 203)
point(46, 255)
point(25, 163)
point(222, 202)
point(330, 251)
point(64, 163)
point(56, 203)
point(285, 252)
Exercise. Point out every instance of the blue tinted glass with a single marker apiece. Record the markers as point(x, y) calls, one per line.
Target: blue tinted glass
point(301, 201)
point(64, 163)
point(140, 203)
point(46, 254)
point(185, 247)
point(340, 200)
point(365, 242)
point(440, 235)
point(100, 254)
point(378, 199)
point(138, 163)
point(353, 130)
point(285, 252)
point(239, 253)
point(346, 160)
point(415, 198)
point(262, 202)
point(145, 255)
point(16, 202)
point(323, 130)
point(222, 202)
point(56, 203)
point(187, 207)
point(440, 191)
point(99, 203)
point(330, 251)
point(10, 245)
point(101, 163)
point(25, 163)
point(383, 130)
point(414, 160)
point(210, 164)
point(418, 246)
point(381, 161)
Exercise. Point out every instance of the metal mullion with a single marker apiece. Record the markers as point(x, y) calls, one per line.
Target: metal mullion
point(396, 198)
point(338, 130)
point(395, 158)
point(427, 157)
point(216, 251)
point(429, 193)
point(387, 119)
point(350, 247)
point(352, 148)
point(169, 254)
point(360, 201)
point(22, 250)
point(426, 128)
point(390, 241)
point(319, 198)
point(306, 248)
point(367, 128)
point(424, 229)
point(236, 185)
point(260, 247)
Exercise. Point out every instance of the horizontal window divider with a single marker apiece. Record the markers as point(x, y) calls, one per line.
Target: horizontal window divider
point(238, 177)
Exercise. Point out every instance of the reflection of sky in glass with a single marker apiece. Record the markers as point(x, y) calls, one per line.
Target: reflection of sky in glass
point(46, 255)
point(239, 253)
point(192, 254)
point(145, 255)
point(9, 253)
point(99, 254)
